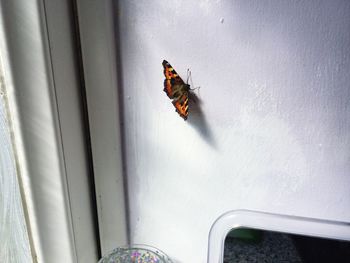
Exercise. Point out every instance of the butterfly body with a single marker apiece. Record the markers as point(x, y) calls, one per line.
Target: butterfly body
point(180, 89)
point(176, 89)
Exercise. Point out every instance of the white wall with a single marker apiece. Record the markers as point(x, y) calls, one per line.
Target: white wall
point(271, 132)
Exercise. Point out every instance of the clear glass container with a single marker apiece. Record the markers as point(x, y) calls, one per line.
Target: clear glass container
point(136, 254)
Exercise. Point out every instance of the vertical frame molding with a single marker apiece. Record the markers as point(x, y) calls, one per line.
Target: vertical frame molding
point(97, 32)
point(41, 80)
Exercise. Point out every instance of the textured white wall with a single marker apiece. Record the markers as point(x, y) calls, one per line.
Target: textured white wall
point(272, 131)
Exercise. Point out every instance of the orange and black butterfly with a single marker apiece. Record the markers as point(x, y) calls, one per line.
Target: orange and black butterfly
point(176, 89)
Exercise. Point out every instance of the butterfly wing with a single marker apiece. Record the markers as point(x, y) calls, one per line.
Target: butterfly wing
point(181, 105)
point(176, 89)
point(171, 79)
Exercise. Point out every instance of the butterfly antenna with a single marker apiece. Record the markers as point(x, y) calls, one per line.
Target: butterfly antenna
point(188, 75)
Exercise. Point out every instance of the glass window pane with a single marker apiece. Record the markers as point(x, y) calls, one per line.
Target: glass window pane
point(13, 232)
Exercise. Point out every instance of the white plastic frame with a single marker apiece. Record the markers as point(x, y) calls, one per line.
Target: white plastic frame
point(270, 222)
point(41, 81)
point(98, 47)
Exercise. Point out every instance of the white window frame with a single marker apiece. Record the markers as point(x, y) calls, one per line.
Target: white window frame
point(99, 45)
point(41, 80)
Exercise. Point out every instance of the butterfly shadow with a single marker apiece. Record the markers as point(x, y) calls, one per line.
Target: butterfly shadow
point(197, 119)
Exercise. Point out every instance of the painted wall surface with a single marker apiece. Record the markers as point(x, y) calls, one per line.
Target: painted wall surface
point(271, 131)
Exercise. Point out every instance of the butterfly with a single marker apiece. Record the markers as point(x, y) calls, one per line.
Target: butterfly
point(176, 89)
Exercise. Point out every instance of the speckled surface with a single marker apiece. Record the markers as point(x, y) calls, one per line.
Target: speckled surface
point(274, 247)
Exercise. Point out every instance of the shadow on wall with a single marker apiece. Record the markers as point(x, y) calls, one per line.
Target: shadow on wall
point(198, 121)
